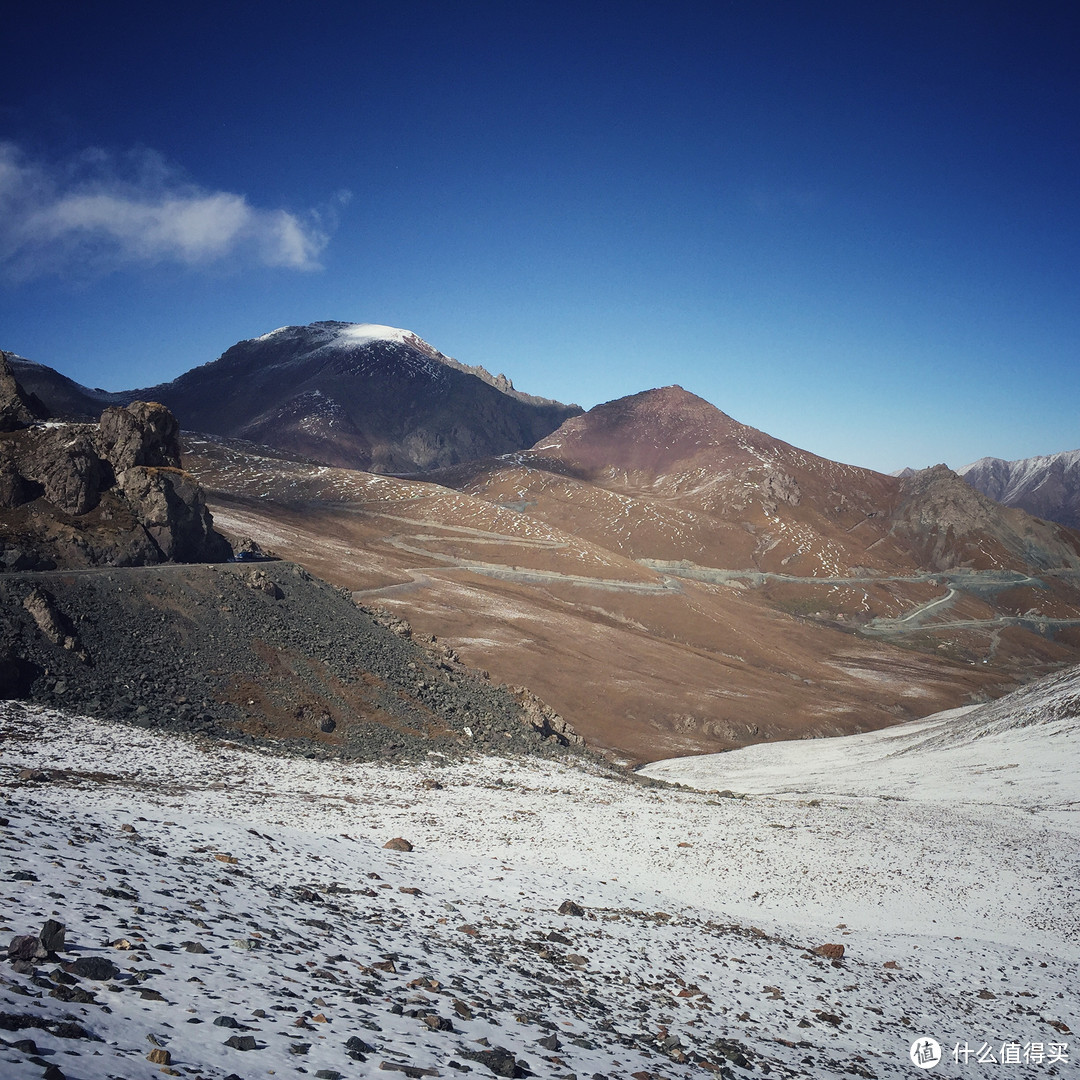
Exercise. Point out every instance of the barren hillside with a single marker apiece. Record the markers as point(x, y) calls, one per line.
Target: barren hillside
point(672, 581)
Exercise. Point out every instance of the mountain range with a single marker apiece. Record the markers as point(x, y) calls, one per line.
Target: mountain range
point(666, 578)
point(1046, 486)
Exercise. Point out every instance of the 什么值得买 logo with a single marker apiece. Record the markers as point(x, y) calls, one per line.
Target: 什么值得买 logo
point(925, 1053)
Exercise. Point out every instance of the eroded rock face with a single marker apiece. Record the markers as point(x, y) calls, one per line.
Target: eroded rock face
point(14, 489)
point(17, 409)
point(778, 487)
point(110, 493)
point(544, 719)
point(144, 433)
point(169, 505)
point(67, 466)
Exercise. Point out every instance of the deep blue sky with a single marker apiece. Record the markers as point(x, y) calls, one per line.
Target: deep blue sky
point(853, 225)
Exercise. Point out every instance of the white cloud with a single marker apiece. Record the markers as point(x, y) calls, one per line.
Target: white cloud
point(98, 213)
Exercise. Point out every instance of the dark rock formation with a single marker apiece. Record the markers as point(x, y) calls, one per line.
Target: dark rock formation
point(169, 505)
point(65, 463)
point(17, 408)
point(76, 495)
point(383, 400)
point(145, 433)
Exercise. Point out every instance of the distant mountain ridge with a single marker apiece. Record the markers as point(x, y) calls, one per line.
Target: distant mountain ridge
point(355, 395)
point(1047, 486)
point(707, 487)
point(64, 397)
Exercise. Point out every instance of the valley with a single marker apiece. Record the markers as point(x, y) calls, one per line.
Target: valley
point(652, 655)
point(665, 578)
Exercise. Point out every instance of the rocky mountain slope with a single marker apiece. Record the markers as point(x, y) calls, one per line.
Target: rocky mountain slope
point(262, 652)
point(737, 497)
point(1047, 486)
point(66, 399)
point(356, 395)
point(188, 905)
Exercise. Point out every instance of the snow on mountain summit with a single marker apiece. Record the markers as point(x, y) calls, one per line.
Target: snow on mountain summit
point(349, 335)
point(362, 333)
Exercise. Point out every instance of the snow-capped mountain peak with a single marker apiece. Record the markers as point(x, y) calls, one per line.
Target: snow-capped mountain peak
point(349, 335)
point(1047, 486)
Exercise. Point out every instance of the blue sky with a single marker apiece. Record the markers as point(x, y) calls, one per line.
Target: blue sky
point(855, 226)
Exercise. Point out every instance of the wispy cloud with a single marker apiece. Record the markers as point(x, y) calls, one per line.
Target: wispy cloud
point(101, 212)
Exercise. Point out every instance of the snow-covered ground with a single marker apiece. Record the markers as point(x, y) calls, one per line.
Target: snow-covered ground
point(232, 886)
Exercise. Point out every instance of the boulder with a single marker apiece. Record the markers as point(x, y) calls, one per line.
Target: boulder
point(169, 505)
point(52, 622)
point(52, 936)
point(145, 433)
point(68, 468)
point(260, 582)
point(25, 947)
point(97, 968)
point(830, 951)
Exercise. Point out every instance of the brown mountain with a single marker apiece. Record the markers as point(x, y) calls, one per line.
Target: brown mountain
point(695, 484)
point(673, 581)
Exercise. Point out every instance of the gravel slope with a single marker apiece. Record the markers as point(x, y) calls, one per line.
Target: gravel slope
point(261, 651)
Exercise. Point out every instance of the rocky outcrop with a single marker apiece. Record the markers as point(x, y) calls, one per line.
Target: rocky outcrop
point(65, 463)
point(169, 505)
point(17, 408)
point(778, 487)
point(108, 493)
point(145, 433)
point(947, 523)
point(544, 720)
